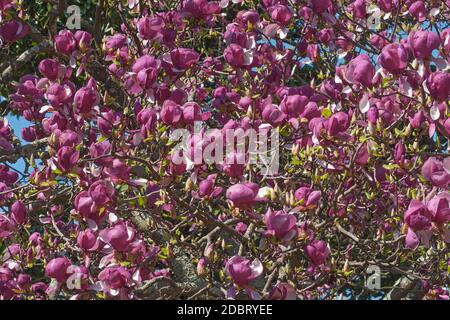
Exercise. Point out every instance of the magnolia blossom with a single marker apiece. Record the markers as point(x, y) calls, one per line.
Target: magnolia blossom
point(243, 195)
point(439, 207)
point(19, 212)
point(438, 84)
point(423, 43)
point(280, 225)
point(114, 278)
point(360, 71)
point(394, 58)
point(119, 237)
point(65, 42)
point(243, 271)
point(13, 30)
point(57, 269)
point(308, 198)
point(207, 187)
point(419, 221)
point(436, 172)
point(283, 291)
point(318, 252)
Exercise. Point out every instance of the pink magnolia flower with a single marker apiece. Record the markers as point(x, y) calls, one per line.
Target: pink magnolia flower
point(182, 58)
point(387, 5)
point(359, 8)
point(117, 171)
point(394, 58)
point(177, 164)
point(318, 252)
point(65, 42)
point(145, 70)
point(114, 278)
point(436, 173)
point(13, 30)
point(243, 195)
point(337, 123)
point(360, 71)
point(247, 16)
point(418, 10)
point(147, 119)
point(293, 106)
point(326, 35)
point(445, 37)
point(439, 207)
point(283, 291)
point(101, 149)
point(67, 158)
point(24, 281)
point(58, 94)
point(102, 192)
point(119, 236)
point(320, 6)
point(108, 121)
point(19, 212)
point(201, 9)
point(86, 207)
point(438, 84)
point(281, 14)
point(243, 271)
point(280, 225)
point(87, 98)
point(57, 269)
point(171, 113)
point(207, 187)
point(88, 241)
point(236, 56)
point(273, 115)
point(7, 176)
point(150, 27)
point(241, 227)
point(5, 135)
point(418, 217)
point(309, 197)
point(193, 112)
point(201, 267)
point(6, 226)
point(114, 44)
point(236, 34)
point(399, 153)
point(84, 40)
point(234, 164)
point(6, 4)
point(418, 119)
point(51, 69)
point(423, 43)
point(419, 221)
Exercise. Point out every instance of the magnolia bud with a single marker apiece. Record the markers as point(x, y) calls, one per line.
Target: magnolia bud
point(209, 251)
point(408, 130)
point(201, 268)
point(371, 129)
point(189, 185)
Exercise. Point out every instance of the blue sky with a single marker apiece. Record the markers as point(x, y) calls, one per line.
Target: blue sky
point(17, 124)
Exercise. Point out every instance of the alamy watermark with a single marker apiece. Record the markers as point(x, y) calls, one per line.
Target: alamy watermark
point(259, 147)
point(373, 278)
point(74, 19)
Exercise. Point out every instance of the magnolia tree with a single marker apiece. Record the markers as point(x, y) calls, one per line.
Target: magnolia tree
point(274, 149)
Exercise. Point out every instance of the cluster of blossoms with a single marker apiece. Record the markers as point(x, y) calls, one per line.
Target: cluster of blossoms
point(103, 207)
